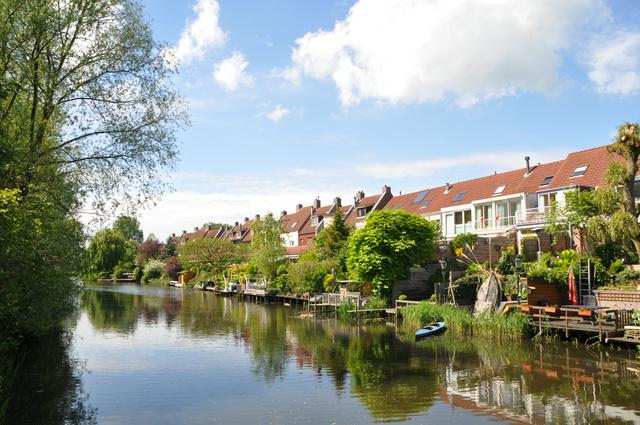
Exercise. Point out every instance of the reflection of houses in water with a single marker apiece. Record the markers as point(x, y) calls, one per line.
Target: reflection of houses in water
point(531, 397)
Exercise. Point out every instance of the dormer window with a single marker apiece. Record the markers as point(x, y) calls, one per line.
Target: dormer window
point(238, 234)
point(546, 181)
point(315, 220)
point(580, 171)
point(499, 190)
point(420, 197)
point(361, 212)
point(459, 197)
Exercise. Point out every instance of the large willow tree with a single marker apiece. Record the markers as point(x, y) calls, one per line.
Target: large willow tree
point(88, 119)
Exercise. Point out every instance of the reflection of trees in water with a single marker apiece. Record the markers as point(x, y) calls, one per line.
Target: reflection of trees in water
point(47, 388)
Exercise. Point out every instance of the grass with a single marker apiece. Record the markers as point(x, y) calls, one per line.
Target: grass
point(462, 322)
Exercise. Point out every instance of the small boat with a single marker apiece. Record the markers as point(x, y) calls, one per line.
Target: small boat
point(176, 284)
point(430, 330)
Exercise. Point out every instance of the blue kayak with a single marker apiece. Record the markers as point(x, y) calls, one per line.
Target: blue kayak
point(431, 330)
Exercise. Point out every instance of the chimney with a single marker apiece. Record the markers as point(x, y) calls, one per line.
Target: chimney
point(386, 189)
point(236, 224)
point(173, 235)
point(360, 195)
point(246, 219)
point(298, 207)
point(195, 229)
point(184, 232)
point(337, 202)
point(316, 203)
point(526, 159)
point(447, 187)
point(257, 216)
point(283, 213)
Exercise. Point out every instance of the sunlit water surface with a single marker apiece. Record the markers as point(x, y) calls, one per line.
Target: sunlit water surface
point(145, 355)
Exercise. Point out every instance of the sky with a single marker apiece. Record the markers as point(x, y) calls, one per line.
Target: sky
point(294, 100)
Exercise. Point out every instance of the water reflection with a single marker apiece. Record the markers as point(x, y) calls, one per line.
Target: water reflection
point(47, 388)
point(219, 358)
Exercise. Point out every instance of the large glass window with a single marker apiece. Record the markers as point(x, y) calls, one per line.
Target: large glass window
point(484, 216)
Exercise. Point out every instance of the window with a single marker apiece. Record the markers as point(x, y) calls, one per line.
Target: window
point(546, 200)
point(290, 243)
point(579, 171)
point(314, 220)
point(361, 212)
point(420, 197)
point(499, 189)
point(426, 203)
point(459, 197)
point(546, 181)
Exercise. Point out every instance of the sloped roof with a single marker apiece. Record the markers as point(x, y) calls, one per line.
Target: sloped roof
point(295, 222)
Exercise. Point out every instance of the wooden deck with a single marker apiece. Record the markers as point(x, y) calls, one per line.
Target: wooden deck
point(608, 324)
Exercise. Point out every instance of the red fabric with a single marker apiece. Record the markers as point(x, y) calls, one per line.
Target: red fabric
point(573, 293)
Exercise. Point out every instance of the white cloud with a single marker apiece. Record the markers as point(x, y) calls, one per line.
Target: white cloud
point(614, 63)
point(468, 50)
point(199, 35)
point(278, 113)
point(230, 197)
point(230, 73)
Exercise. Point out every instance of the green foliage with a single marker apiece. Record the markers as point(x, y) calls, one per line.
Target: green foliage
point(506, 263)
point(129, 227)
point(171, 267)
point(627, 277)
point(107, 249)
point(308, 276)
point(376, 303)
point(390, 242)
point(331, 242)
point(170, 248)
point(118, 273)
point(635, 317)
point(267, 250)
point(137, 273)
point(464, 240)
point(211, 255)
point(152, 270)
point(402, 297)
point(462, 322)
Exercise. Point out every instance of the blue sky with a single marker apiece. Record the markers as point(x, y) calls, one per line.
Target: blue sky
point(291, 100)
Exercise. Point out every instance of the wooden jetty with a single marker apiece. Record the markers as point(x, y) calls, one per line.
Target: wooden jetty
point(606, 323)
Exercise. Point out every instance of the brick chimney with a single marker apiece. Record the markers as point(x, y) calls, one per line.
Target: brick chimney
point(246, 219)
point(316, 203)
point(298, 207)
point(173, 235)
point(237, 224)
point(184, 232)
point(195, 229)
point(283, 213)
point(337, 202)
point(386, 189)
point(257, 216)
point(447, 187)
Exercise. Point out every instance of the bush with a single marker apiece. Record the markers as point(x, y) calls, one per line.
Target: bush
point(152, 270)
point(464, 240)
point(402, 297)
point(172, 267)
point(376, 303)
point(505, 265)
point(308, 276)
point(118, 272)
point(627, 276)
point(137, 274)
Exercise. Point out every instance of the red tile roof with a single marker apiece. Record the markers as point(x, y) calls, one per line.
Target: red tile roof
point(296, 221)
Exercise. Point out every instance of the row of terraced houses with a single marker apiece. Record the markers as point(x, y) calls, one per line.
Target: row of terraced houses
point(506, 209)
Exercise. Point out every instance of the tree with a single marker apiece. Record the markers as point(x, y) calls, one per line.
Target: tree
point(88, 117)
point(170, 249)
point(267, 249)
point(211, 255)
point(150, 249)
point(331, 242)
point(129, 227)
point(390, 242)
point(106, 250)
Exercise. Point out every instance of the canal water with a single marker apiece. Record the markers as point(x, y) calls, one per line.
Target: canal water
point(147, 355)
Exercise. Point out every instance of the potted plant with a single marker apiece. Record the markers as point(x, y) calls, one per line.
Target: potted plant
point(585, 312)
point(551, 309)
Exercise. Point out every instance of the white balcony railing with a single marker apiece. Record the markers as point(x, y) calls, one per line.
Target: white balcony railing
point(534, 215)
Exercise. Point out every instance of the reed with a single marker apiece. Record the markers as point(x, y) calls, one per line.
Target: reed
point(462, 322)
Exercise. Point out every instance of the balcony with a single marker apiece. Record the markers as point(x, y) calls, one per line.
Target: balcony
point(534, 215)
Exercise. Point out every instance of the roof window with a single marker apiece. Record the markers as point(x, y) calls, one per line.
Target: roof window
point(426, 203)
point(420, 197)
point(459, 197)
point(580, 171)
point(546, 181)
point(499, 189)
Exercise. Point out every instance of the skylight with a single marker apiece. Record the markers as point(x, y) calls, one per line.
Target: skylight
point(546, 181)
point(459, 197)
point(426, 203)
point(420, 197)
point(580, 171)
point(499, 189)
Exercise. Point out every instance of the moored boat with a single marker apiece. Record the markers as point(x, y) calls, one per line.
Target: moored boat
point(176, 284)
point(430, 330)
